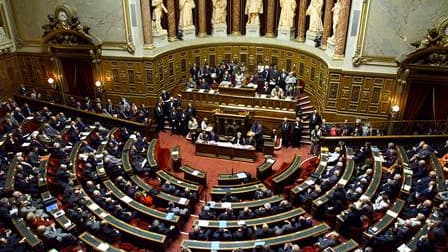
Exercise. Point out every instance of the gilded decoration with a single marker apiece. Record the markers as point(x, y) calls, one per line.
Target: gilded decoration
point(431, 50)
point(64, 29)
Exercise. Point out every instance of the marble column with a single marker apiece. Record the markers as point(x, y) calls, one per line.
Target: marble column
point(236, 19)
point(303, 4)
point(202, 19)
point(341, 32)
point(270, 19)
point(147, 23)
point(172, 35)
point(328, 15)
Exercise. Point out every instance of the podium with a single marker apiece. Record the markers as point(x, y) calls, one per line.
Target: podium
point(177, 159)
point(230, 120)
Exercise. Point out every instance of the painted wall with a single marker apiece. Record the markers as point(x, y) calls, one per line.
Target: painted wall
point(105, 17)
point(393, 25)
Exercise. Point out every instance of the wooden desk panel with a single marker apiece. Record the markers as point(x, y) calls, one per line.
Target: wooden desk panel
point(244, 91)
point(225, 152)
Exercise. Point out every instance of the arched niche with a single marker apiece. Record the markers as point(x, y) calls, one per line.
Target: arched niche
point(75, 53)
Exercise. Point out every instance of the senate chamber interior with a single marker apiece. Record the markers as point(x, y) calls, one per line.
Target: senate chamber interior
point(224, 125)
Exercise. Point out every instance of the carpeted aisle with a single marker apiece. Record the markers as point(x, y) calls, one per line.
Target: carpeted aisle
point(213, 167)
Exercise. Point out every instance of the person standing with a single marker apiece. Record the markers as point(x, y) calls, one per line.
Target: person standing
point(297, 132)
point(314, 119)
point(316, 134)
point(257, 130)
point(285, 128)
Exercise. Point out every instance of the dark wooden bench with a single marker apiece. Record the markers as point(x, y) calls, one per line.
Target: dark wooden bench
point(194, 175)
point(252, 204)
point(265, 169)
point(301, 235)
point(127, 167)
point(139, 207)
point(345, 178)
point(58, 214)
point(151, 154)
point(42, 176)
point(377, 174)
point(97, 244)
point(440, 182)
point(406, 184)
point(161, 196)
point(233, 224)
point(382, 224)
point(10, 176)
point(217, 193)
point(346, 246)
point(155, 239)
point(287, 176)
point(25, 232)
point(232, 178)
point(192, 186)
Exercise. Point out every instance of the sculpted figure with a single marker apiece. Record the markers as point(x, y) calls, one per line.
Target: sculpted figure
point(159, 9)
point(315, 12)
point(253, 9)
point(336, 14)
point(287, 13)
point(186, 13)
point(219, 12)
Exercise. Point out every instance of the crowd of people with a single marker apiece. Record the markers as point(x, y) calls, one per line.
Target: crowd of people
point(57, 133)
point(267, 79)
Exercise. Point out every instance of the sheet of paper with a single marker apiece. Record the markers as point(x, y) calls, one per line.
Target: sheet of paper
point(103, 246)
point(182, 201)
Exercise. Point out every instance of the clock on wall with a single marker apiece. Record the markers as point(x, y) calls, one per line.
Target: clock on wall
point(63, 13)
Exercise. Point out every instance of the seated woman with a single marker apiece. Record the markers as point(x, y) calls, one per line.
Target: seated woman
point(239, 77)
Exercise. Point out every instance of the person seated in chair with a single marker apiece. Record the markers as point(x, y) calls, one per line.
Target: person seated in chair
point(277, 92)
point(239, 139)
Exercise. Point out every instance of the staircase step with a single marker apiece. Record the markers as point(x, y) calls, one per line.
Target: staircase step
point(303, 103)
point(304, 97)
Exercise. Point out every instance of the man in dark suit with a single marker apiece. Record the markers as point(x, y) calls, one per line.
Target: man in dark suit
point(239, 139)
point(314, 119)
point(285, 127)
point(160, 116)
point(257, 129)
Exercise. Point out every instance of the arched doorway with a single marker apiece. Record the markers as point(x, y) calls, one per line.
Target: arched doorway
point(75, 53)
point(423, 77)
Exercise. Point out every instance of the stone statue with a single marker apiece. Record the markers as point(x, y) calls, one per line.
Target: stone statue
point(287, 13)
point(253, 9)
point(186, 13)
point(219, 12)
point(159, 9)
point(315, 12)
point(336, 14)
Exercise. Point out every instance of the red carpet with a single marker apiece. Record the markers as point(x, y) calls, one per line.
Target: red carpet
point(214, 166)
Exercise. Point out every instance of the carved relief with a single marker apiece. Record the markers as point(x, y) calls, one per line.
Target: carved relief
point(65, 29)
